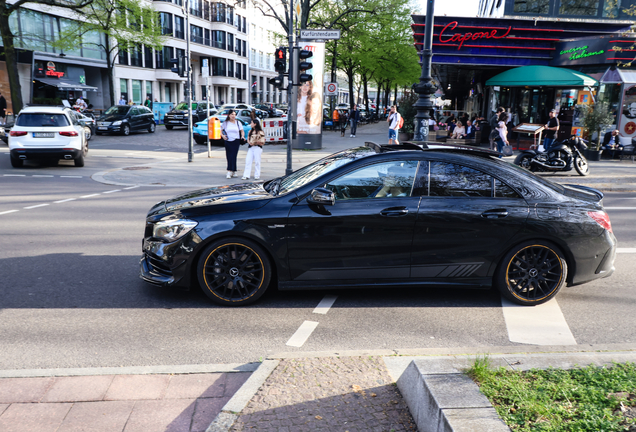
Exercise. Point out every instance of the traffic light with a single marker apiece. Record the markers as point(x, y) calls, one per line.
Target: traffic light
point(178, 66)
point(277, 81)
point(280, 62)
point(304, 65)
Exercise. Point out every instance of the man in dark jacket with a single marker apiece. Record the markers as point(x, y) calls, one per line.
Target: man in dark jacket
point(354, 118)
point(470, 130)
point(3, 109)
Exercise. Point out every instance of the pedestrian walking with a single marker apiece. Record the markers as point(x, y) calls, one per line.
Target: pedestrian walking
point(232, 133)
point(3, 109)
point(255, 141)
point(354, 118)
point(502, 139)
point(394, 125)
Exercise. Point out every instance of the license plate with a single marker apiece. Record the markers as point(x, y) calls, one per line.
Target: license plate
point(43, 134)
point(178, 117)
point(174, 121)
point(103, 128)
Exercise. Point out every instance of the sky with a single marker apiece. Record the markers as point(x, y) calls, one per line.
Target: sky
point(452, 7)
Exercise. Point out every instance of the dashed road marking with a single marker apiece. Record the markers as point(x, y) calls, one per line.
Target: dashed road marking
point(619, 208)
point(543, 324)
point(71, 176)
point(325, 304)
point(35, 206)
point(8, 211)
point(64, 200)
point(302, 334)
point(89, 196)
point(131, 187)
point(42, 175)
point(14, 175)
point(625, 250)
point(112, 191)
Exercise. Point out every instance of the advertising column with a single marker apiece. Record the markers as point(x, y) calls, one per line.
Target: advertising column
point(309, 101)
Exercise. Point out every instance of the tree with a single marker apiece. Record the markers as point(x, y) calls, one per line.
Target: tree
point(594, 118)
point(125, 24)
point(6, 9)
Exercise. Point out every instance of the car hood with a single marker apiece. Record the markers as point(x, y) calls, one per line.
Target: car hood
point(218, 195)
point(111, 117)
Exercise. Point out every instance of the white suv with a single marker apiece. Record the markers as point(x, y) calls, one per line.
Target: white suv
point(47, 133)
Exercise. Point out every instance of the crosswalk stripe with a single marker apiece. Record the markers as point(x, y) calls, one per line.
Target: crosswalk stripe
point(543, 324)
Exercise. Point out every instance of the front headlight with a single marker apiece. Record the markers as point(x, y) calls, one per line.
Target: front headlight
point(173, 229)
point(117, 123)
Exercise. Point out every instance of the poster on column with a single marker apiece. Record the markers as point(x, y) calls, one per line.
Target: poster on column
point(310, 99)
point(628, 114)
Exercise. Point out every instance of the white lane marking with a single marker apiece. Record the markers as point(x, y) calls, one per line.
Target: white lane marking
point(131, 187)
point(537, 325)
point(302, 334)
point(42, 175)
point(14, 175)
point(8, 211)
point(325, 304)
point(625, 250)
point(112, 191)
point(619, 208)
point(71, 176)
point(89, 196)
point(35, 206)
point(64, 200)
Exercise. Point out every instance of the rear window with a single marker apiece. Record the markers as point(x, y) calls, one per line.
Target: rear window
point(42, 120)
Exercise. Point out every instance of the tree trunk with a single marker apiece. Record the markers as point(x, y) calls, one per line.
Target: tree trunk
point(110, 61)
point(11, 61)
point(350, 76)
point(365, 94)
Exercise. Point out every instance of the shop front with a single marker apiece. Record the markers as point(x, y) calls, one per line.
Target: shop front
point(54, 82)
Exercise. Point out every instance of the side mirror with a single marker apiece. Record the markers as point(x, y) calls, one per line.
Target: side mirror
point(321, 196)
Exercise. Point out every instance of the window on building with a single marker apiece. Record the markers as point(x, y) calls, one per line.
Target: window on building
point(244, 24)
point(93, 45)
point(244, 53)
point(218, 39)
point(244, 72)
point(230, 42)
point(230, 68)
point(218, 12)
point(123, 88)
point(135, 55)
point(238, 71)
point(206, 10)
point(149, 89)
point(65, 27)
point(539, 7)
point(579, 7)
point(163, 57)
point(206, 37)
point(179, 27)
point(237, 21)
point(219, 66)
point(148, 57)
point(230, 15)
point(252, 57)
point(237, 48)
point(260, 59)
point(195, 8)
point(196, 34)
point(122, 55)
point(165, 21)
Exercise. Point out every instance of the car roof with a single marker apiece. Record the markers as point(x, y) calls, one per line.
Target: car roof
point(425, 146)
point(44, 109)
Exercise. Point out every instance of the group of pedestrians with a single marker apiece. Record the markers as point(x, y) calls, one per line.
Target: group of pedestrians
point(234, 136)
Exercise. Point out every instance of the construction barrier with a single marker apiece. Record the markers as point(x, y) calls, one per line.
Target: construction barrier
point(275, 129)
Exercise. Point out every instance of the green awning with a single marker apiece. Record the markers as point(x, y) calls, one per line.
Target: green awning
point(546, 76)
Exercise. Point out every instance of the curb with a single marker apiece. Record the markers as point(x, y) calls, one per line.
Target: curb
point(230, 412)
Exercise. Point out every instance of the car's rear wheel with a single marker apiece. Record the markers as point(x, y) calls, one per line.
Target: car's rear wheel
point(152, 127)
point(16, 163)
point(169, 127)
point(531, 273)
point(125, 130)
point(234, 272)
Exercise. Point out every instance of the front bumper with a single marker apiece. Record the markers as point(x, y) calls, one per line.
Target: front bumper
point(109, 129)
point(170, 121)
point(168, 264)
point(45, 153)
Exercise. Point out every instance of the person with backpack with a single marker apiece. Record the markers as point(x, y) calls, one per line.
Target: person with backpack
point(395, 121)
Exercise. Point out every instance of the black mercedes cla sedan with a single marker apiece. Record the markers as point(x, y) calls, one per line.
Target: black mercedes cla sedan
point(383, 217)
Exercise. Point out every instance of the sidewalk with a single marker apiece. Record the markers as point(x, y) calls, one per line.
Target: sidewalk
point(607, 175)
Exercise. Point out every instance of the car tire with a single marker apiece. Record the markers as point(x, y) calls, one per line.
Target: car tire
point(79, 162)
point(234, 271)
point(88, 132)
point(152, 127)
point(581, 166)
point(16, 163)
point(531, 273)
point(169, 127)
point(125, 130)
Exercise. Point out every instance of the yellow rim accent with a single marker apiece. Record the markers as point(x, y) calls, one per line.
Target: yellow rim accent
point(508, 269)
point(205, 264)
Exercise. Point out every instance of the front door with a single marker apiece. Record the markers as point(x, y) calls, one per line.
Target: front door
point(365, 236)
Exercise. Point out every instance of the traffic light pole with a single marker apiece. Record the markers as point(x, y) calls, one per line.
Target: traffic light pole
point(291, 90)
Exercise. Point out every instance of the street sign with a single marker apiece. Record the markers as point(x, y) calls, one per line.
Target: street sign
point(205, 69)
point(319, 34)
point(331, 89)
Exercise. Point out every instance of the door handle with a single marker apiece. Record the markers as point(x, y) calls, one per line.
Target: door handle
point(495, 214)
point(395, 212)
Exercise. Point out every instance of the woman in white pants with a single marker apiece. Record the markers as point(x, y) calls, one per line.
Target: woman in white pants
point(255, 140)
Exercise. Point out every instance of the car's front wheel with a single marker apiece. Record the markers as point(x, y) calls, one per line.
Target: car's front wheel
point(531, 273)
point(152, 127)
point(125, 130)
point(234, 271)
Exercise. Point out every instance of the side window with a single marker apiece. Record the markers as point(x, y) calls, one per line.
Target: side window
point(134, 111)
point(502, 190)
point(73, 118)
point(452, 180)
point(383, 180)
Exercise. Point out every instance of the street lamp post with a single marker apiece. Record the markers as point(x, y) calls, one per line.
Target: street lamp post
point(291, 102)
point(426, 87)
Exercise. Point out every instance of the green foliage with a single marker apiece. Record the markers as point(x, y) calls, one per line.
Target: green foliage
point(408, 111)
point(594, 118)
point(556, 400)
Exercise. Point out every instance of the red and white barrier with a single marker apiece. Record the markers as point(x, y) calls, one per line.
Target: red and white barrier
point(273, 129)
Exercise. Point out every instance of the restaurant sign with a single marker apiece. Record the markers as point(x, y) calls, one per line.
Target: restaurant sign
point(582, 51)
point(489, 33)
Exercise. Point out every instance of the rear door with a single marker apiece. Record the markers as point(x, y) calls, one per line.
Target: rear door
point(468, 218)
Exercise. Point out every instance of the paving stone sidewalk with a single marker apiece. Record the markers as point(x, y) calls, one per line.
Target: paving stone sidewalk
point(347, 394)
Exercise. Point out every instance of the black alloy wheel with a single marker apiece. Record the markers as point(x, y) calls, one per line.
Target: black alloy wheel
point(581, 166)
point(125, 130)
point(234, 272)
point(152, 127)
point(531, 273)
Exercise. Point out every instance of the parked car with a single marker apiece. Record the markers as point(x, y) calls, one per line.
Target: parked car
point(47, 133)
point(200, 130)
point(178, 116)
point(283, 107)
point(89, 123)
point(272, 111)
point(5, 128)
point(383, 217)
point(125, 119)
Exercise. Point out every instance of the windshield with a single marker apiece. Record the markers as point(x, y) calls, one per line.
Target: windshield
point(311, 172)
point(184, 106)
point(117, 110)
point(42, 119)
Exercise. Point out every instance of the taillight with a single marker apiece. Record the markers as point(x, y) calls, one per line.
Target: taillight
point(17, 133)
point(71, 133)
point(601, 218)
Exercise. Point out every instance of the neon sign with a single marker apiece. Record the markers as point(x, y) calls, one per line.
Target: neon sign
point(458, 37)
point(582, 54)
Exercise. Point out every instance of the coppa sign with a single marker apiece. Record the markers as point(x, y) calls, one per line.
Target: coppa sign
point(461, 38)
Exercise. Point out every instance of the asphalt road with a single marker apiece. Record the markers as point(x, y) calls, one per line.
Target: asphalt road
point(71, 296)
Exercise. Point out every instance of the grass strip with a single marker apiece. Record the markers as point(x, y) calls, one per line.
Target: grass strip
point(588, 398)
